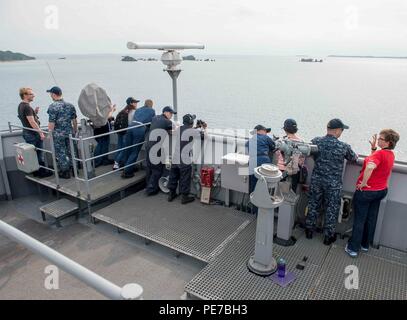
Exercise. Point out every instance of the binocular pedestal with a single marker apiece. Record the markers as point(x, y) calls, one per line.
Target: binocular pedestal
point(266, 197)
point(286, 216)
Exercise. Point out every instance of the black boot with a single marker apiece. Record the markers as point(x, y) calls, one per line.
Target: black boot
point(308, 233)
point(172, 195)
point(329, 240)
point(42, 173)
point(187, 199)
point(65, 174)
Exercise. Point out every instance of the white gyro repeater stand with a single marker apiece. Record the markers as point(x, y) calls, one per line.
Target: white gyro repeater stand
point(266, 197)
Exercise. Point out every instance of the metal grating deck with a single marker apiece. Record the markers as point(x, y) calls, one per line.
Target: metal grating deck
point(227, 277)
point(99, 188)
point(60, 208)
point(379, 279)
point(198, 230)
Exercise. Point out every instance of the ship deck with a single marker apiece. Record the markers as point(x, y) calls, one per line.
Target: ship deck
point(222, 237)
point(99, 189)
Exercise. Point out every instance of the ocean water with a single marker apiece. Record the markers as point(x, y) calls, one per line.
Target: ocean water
point(235, 92)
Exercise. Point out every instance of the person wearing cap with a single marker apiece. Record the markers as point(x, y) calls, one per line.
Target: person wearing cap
point(29, 119)
point(122, 121)
point(161, 126)
point(260, 148)
point(136, 136)
point(181, 167)
point(326, 179)
point(290, 129)
point(62, 122)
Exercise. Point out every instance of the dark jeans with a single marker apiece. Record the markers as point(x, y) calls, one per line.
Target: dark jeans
point(102, 148)
point(121, 143)
point(366, 207)
point(134, 136)
point(34, 139)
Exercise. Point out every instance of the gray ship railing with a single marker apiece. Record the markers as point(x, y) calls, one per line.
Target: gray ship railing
point(108, 289)
point(82, 159)
point(81, 145)
point(52, 151)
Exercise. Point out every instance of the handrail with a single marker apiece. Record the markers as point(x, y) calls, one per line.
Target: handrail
point(112, 132)
point(52, 151)
point(110, 172)
point(108, 289)
point(110, 152)
point(27, 128)
point(80, 140)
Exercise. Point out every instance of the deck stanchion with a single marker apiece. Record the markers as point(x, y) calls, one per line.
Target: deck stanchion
point(85, 173)
point(75, 167)
point(9, 127)
point(54, 160)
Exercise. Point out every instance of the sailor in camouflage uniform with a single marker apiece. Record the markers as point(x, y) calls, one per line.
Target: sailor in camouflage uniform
point(326, 180)
point(62, 122)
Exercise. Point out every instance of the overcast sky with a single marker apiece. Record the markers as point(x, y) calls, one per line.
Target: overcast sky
point(276, 27)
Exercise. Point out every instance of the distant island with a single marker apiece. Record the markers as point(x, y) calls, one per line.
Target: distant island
point(131, 59)
point(367, 57)
point(14, 56)
point(128, 59)
point(310, 60)
point(190, 58)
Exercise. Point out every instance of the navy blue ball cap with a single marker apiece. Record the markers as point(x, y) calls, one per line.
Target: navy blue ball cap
point(188, 119)
point(290, 125)
point(55, 90)
point(337, 124)
point(260, 127)
point(169, 109)
point(131, 100)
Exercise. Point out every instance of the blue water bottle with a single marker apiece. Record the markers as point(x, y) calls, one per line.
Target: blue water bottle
point(281, 267)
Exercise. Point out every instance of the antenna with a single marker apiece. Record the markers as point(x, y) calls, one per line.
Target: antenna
point(52, 74)
point(171, 58)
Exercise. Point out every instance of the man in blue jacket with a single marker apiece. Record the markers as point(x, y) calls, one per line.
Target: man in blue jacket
point(155, 161)
point(260, 148)
point(136, 136)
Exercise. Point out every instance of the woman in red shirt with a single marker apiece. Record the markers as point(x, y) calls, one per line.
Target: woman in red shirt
point(371, 188)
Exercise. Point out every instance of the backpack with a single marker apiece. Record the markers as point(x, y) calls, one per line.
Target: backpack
point(122, 121)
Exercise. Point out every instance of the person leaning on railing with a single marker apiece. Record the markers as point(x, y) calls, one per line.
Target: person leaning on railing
point(371, 189)
point(103, 142)
point(29, 119)
point(121, 122)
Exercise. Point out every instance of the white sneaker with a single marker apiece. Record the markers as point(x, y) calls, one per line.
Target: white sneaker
point(116, 166)
point(364, 249)
point(353, 254)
